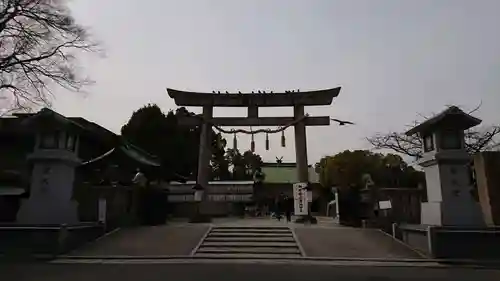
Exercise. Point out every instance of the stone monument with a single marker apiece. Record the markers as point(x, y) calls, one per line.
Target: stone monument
point(53, 162)
point(446, 164)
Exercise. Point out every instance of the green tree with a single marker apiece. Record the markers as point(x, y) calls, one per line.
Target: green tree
point(220, 163)
point(252, 162)
point(349, 168)
point(177, 145)
point(243, 166)
point(161, 135)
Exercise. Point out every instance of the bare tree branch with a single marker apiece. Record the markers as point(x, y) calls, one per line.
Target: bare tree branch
point(38, 42)
point(398, 142)
point(476, 140)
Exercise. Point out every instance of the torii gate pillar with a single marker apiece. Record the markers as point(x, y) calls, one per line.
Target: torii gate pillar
point(205, 151)
point(300, 144)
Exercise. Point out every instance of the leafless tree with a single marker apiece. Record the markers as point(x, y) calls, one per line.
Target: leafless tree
point(476, 140)
point(38, 43)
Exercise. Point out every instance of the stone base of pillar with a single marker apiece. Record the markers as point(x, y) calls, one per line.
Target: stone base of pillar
point(40, 212)
point(306, 219)
point(200, 218)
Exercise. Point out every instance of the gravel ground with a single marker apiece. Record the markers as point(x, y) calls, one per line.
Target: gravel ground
point(147, 241)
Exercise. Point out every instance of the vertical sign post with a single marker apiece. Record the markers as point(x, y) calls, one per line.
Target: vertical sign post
point(300, 199)
point(102, 210)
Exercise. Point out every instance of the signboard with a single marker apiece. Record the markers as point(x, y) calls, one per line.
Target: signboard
point(300, 199)
point(102, 210)
point(384, 205)
point(214, 188)
point(230, 197)
point(181, 198)
point(212, 197)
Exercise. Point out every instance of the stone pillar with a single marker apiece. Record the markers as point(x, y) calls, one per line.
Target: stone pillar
point(337, 210)
point(205, 153)
point(300, 144)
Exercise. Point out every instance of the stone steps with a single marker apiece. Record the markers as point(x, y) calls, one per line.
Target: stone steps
point(247, 255)
point(250, 239)
point(249, 244)
point(255, 241)
point(253, 230)
point(249, 250)
point(248, 234)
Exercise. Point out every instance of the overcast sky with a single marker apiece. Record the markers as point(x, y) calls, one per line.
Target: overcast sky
point(394, 60)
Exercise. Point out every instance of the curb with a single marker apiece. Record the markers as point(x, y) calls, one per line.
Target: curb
point(274, 260)
point(195, 249)
point(297, 241)
point(381, 260)
point(423, 255)
point(428, 263)
point(91, 242)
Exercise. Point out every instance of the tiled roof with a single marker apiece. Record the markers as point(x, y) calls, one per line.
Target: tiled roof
point(92, 129)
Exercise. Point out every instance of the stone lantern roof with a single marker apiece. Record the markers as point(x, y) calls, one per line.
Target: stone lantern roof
point(452, 117)
point(47, 119)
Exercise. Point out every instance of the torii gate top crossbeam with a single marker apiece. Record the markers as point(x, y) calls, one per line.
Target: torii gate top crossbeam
point(311, 98)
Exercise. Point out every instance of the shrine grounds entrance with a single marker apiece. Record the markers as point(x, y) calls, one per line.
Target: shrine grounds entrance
point(252, 101)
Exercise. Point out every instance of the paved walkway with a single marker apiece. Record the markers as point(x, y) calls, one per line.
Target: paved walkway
point(167, 240)
point(346, 242)
point(326, 239)
point(231, 271)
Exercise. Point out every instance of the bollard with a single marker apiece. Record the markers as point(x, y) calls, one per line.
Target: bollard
point(394, 228)
point(62, 236)
point(431, 239)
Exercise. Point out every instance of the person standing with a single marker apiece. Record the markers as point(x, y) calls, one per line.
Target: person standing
point(279, 207)
point(288, 209)
point(139, 178)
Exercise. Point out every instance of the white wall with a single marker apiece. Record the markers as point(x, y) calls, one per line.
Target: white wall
point(431, 213)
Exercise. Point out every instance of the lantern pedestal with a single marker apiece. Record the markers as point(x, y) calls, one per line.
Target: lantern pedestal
point(198, 217)
point(51, 190)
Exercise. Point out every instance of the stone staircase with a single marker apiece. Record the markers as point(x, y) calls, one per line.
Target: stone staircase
point(249, 241)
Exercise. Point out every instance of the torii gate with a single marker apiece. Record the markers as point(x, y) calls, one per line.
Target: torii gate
point(253, 101)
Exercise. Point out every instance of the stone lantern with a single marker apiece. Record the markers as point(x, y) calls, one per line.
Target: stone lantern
point(446, 165)
point(198, 193)
point(54, 159)
point(198, 217)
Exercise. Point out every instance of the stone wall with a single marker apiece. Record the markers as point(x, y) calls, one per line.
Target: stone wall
point(487, 171)
point(452, 242)
point(405, 203)
point(27, 240)
point(119, 204)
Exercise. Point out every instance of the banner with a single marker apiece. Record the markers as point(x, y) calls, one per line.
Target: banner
point(300, 199)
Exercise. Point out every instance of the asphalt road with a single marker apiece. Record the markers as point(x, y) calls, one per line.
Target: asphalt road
point(240, 272)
